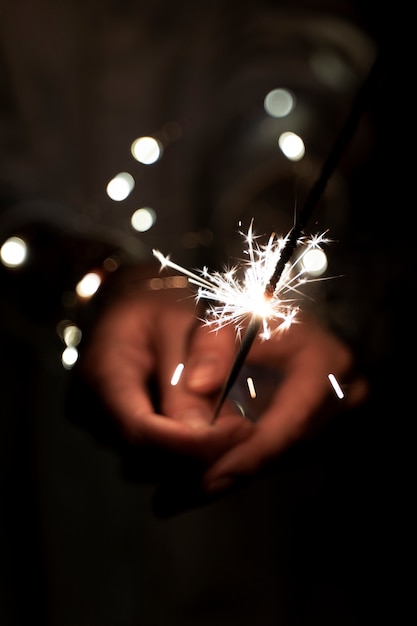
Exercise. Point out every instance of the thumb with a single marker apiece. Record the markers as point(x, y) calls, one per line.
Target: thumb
point(209, 359)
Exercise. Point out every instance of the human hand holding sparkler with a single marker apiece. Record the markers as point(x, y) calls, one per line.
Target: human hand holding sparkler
point(139, 341)
point(262, 307)
point(134, 344)
point(302, 400)
point(254, 296)
point(129, 359)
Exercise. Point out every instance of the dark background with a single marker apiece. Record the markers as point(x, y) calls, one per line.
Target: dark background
point(319, 539)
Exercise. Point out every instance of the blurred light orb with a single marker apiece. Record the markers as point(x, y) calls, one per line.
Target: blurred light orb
point(143, 219)
point(120, 186)
point(146, 150)
point(279, 102)
point(292, 146)
point(71, 335)
point(88, 285)
point(13, 252)
point(332, 70)
point(314, 262)
point(69, 357)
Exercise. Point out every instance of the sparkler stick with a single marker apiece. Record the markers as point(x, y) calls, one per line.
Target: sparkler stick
point(329, 165)
point(296, 233)
point(238, 300)
point(260, 297)
point(245, 345)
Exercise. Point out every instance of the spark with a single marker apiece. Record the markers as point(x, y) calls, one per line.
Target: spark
point(337, 388)
point(251, 387)
point(244, 289)
point(177, 374)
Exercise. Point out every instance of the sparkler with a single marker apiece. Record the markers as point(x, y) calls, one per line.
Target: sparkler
point(269, 274)
point(233, 298)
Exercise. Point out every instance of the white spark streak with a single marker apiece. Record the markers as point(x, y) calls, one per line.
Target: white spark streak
point(337, 388)
point(234, 296)
point(251, 387)
point(177, 374)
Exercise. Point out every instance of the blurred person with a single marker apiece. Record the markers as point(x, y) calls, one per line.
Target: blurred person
point(292, 543)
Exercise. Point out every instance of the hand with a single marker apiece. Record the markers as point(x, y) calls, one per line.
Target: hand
point(304, 355)
point(139, 341)
point(129, 360)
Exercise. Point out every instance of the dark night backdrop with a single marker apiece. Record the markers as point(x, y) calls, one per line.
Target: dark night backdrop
point(79, 544)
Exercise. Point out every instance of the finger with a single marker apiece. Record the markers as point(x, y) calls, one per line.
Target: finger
point(127, 345)
point(121, 358)
point(284, 422)
point(176, 399)
point(118, 362)
point(205, 442)
point(211, 354)
point(205, 356)
point(184, 419)
point(304, 394)
point(123, 377)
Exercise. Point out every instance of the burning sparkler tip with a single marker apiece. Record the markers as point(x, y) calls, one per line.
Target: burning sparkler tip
point(261, 293)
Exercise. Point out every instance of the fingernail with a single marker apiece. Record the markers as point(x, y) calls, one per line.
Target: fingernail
point(200, 372)
point(220, 484)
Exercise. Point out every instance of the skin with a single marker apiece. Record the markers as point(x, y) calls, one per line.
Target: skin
point(144, 337)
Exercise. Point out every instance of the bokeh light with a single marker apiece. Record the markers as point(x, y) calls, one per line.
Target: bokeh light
point(120, 186)
point(69, 357)
point(314, 261)
point(292, 146)
point(13, 252)
point(88, 285)
point(146, 150)
point(143, 219)
point(279, 102)
point(71, 335)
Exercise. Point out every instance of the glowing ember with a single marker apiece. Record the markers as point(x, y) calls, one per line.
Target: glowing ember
point(251, 387)
point(177, 374)
point(337, 388)
point(243, 290)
